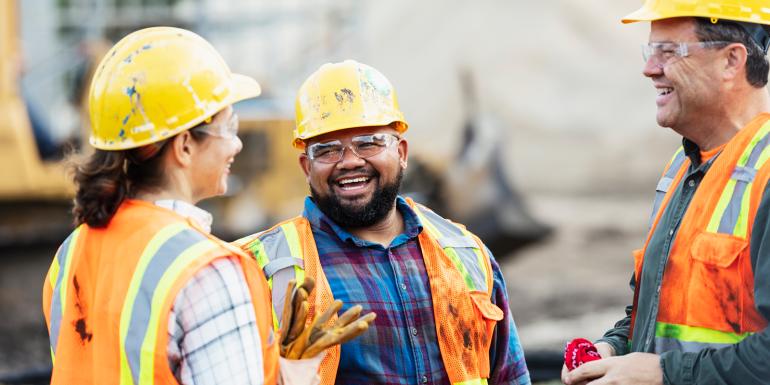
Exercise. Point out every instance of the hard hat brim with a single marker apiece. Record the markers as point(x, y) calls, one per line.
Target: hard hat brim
point(642, 14)
point(244, 87)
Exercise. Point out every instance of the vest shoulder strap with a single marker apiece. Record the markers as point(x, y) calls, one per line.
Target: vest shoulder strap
point(278, 252)
point(464, 249)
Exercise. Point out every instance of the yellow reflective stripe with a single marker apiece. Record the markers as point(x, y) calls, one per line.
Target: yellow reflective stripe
point(719, 210)
point(257, 249)
point(742, 223)
point(53, 271)
point(479, 259)
point(477, 381)
point(450, 252)
point(67, 266)
point(292, 239)
point(763, 158)
point(125, 316)
point(147, 360)
point(697, 334)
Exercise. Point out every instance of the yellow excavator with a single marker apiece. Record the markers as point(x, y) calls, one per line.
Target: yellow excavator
point(36, 193)
point(266, 184)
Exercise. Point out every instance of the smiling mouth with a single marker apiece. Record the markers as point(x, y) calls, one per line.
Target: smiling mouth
point(353, 183)
point(665, 91)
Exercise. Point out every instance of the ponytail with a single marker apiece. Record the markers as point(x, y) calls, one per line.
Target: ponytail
point(102, 185)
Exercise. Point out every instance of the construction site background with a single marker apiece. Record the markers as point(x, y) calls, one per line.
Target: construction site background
point(553, 90)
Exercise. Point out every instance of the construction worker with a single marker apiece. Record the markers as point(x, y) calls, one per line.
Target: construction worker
point(140, 292)
point(701, 281)
point(440, 298)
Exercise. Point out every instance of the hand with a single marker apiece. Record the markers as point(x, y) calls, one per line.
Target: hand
point(604, 349)
point(631, 369)
point(299, 341)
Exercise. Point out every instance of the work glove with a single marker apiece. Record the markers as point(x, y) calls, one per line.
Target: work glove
point(301, 341)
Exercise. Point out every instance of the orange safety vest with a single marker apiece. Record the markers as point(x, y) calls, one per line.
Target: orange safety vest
point(706, 295)
point(459, 272)
point(109, 292)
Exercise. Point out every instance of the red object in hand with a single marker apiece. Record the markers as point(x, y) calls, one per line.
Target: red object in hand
point(578, 352)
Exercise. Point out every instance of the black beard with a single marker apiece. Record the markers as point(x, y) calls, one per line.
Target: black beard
point(375, 210)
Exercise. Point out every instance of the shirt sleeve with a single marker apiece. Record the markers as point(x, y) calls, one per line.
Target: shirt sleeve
point(506, 357)
point(617, 337)
point(213, 336)
point(744, 363)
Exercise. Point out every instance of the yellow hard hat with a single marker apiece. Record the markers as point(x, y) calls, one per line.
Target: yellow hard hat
point(750, 11)
point(344, 95)
point(157, 82)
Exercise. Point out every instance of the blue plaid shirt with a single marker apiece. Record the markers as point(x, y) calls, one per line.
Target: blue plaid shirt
point(401, 347)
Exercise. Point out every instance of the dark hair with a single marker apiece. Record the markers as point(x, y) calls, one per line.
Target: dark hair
point(757, 65)
point(105, 179)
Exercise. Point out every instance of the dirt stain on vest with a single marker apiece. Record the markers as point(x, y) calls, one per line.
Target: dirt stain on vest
point(80, 325)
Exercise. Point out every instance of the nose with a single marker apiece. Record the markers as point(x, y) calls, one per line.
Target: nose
point(349, 159)
point(238, 145)
point(652, 67)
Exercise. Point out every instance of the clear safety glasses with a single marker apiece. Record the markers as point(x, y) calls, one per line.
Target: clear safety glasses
point(364, 146)
point(228, 130)
point(663, 52)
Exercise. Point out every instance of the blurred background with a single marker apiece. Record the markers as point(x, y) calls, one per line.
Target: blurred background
point(529, 121)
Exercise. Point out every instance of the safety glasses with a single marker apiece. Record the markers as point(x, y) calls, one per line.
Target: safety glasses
point(363, 146)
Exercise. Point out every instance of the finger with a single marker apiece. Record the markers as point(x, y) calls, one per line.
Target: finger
point(588, 371)
point(564, 372)
point(308, 284)
point(302, 341)
point(299, 296)
point(287, 311)
point(348, 316)
point(299, 321)
point(329, 313)
point(338, 336)
point(354, 330)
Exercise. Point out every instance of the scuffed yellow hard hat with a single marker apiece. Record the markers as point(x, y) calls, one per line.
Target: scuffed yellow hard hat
point(157, 82)
point(345, 95)
point(750, 11)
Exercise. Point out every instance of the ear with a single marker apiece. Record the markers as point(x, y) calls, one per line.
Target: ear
point(403, 153)
point(182, 149)
point(305, 163)
point(735, 65)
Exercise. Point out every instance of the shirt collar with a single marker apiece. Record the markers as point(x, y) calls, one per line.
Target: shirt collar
point(201, 217)
point(692, 151)
point(319, 220)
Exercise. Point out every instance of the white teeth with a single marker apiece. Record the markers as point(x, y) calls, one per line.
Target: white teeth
point(665, 91)
point(354, 180)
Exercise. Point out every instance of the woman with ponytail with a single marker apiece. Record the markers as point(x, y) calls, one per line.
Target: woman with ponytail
point(140, 292)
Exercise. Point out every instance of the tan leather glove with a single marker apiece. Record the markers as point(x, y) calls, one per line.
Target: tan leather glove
point(300, 341)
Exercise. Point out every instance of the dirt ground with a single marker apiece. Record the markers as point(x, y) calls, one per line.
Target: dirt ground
point(573, 285)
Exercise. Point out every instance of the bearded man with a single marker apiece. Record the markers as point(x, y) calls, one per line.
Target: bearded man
point(440, 298)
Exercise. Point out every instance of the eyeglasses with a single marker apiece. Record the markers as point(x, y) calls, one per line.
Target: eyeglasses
point(363, 146)
point(228, 130)
point(665, 51)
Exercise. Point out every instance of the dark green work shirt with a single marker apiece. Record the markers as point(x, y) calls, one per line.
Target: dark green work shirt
point(745, 363)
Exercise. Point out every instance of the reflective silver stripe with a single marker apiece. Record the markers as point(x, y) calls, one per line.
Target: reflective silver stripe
point(142, 306)
point(277, 248)
point(743, 176)
point(466, 252)
point(455, 242)
point(664, 184)
point(663, 345)
point(281, 263)
point(57, 311)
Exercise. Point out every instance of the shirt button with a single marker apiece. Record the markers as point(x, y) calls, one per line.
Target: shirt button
point(424, 379)
point(414, 331)
point(671, 232)
point(691, 183)
point(403, 286)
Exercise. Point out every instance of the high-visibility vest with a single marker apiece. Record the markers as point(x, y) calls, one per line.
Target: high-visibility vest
point(458, 269)
point(109, 292)
point(707, 296)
